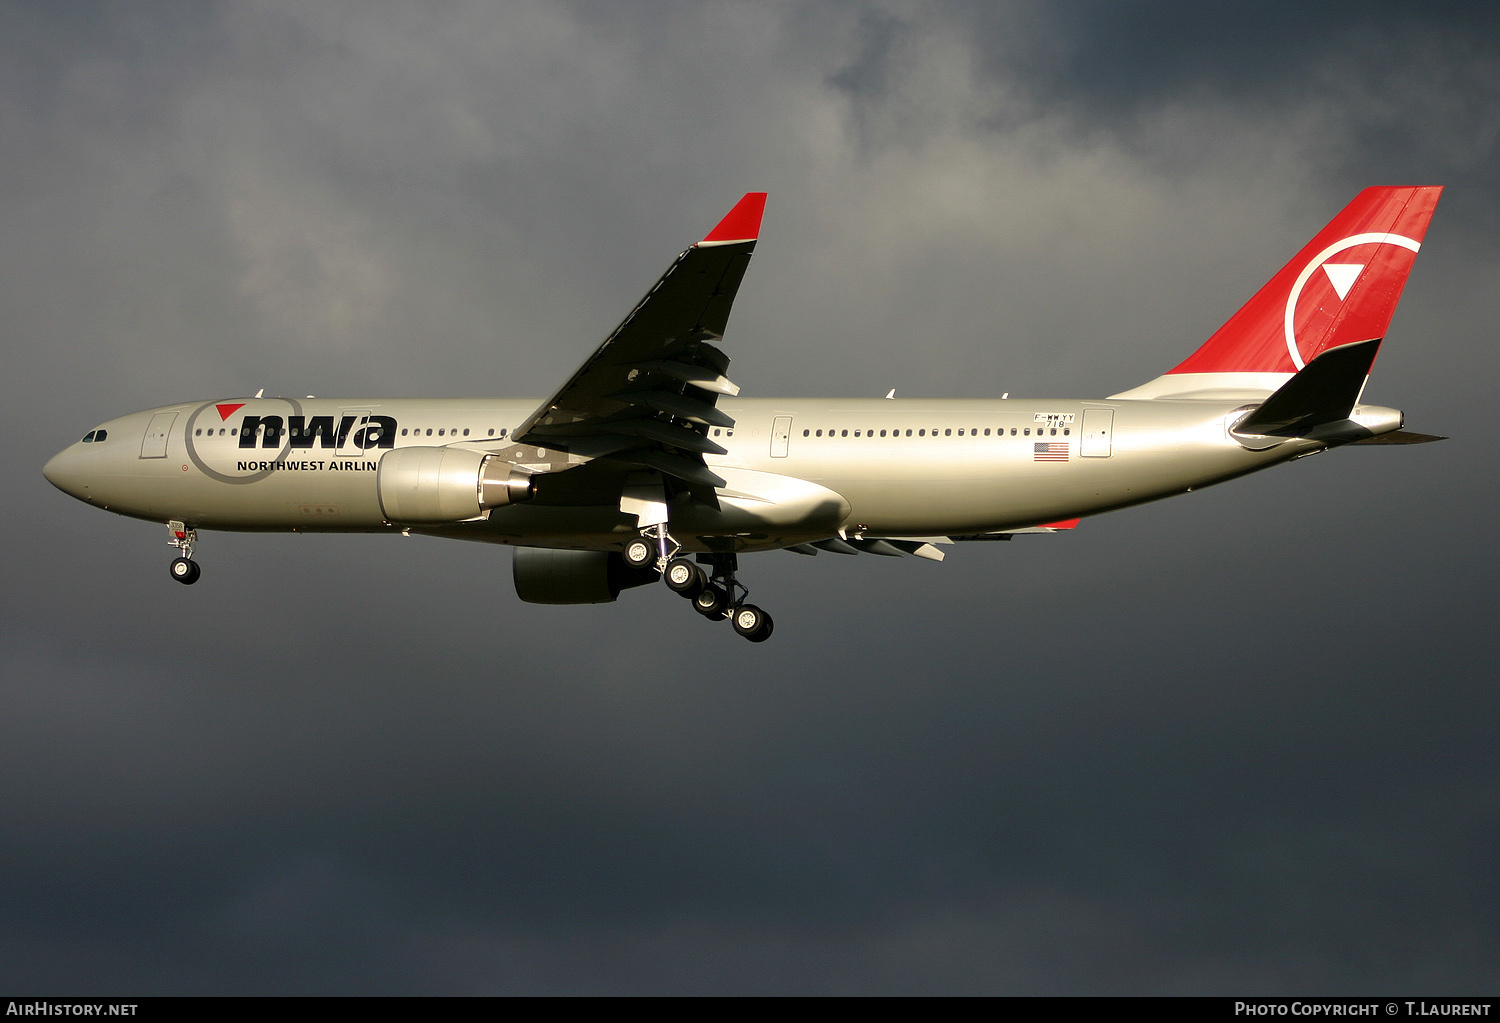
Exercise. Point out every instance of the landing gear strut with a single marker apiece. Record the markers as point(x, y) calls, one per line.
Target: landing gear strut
point(663, 547)
point(719, 595)
point(183, 568)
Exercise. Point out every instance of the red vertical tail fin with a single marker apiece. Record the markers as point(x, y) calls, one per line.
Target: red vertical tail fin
point(1341, 288)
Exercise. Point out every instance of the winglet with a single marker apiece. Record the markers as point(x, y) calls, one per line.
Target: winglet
point(741, 224)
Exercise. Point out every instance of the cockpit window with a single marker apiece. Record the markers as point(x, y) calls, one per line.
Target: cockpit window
point(88, 438)
point(99, 436)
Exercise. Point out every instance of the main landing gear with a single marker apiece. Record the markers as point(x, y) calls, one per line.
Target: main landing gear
point(184, 569)
point(716, 594)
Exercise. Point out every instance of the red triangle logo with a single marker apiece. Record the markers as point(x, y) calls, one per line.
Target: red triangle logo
point(225, 411)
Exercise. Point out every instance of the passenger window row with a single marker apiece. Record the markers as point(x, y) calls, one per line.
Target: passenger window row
point(443, 432)
point(974, 432)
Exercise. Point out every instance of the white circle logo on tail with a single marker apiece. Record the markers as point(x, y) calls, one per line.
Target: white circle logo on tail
point(1340, 275)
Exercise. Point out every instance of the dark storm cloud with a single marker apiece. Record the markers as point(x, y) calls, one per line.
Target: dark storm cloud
point(1128, 54)
point(1239, 741)
point(1409, 92)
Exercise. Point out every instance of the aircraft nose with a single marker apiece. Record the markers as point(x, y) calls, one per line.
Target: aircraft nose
point(64, 472)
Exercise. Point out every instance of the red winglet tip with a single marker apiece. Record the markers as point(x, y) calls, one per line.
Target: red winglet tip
point(741, 224)
point(1064, 524)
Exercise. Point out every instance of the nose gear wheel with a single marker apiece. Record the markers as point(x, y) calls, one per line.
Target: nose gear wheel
point(183, 568)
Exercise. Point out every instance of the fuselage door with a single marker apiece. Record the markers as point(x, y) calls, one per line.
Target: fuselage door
point(781, 435)
point(353, 432)
point(154, 444)
point(1098, 433)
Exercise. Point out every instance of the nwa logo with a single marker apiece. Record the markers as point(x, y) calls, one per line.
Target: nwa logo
point(283, 437)
point(1317, 316)
point(319, 431)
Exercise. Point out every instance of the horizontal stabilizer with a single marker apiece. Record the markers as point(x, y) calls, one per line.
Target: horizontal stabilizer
point(1324, 391)
point(1401, 437)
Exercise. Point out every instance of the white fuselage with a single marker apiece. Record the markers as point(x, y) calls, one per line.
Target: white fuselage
point(795, 469)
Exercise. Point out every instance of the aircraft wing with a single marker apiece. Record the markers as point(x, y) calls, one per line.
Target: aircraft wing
point(646, 396)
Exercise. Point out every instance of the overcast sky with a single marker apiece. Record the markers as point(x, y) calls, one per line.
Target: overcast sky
point(1243, 741)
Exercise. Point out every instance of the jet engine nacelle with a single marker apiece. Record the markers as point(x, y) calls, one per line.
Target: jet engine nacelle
point(431, 484)
point(545, 576)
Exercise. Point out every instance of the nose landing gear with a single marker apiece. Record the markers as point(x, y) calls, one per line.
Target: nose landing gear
point(184, 569)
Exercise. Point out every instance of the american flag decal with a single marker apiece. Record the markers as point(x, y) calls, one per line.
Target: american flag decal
point(1052, 451)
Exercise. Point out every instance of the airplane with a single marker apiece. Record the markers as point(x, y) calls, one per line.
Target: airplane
point(647, 465)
